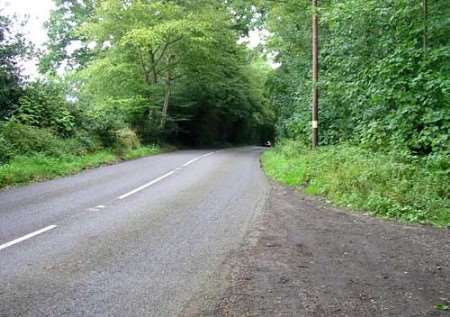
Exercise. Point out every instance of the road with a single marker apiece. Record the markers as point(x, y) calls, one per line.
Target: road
point(140, 238)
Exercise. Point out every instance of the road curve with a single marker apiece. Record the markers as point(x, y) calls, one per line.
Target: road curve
point(147, 254)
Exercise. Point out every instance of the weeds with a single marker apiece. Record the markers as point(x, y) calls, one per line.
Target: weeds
point(37, 167)
point(390, 185)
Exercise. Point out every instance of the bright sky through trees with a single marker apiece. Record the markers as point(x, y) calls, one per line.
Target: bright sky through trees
point(38, 11)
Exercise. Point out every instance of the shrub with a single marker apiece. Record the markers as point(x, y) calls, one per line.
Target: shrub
point(44, 106)
point(396, 185)
point(29, 140)
point(126, 139)
point(6, 150)
point(105, 123)
point(142, 151)
point(89, 142)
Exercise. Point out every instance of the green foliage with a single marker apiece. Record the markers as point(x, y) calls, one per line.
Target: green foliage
point(38, 167)
point(13, 47)
point(17, 139)
point(44, 106)
point(126, 140)
point(392, 185)
point(384, 79)
point(443, 307)
point(6, 150)
point(65, 48)
point(171, 68)
point(142, 151)
point(30, 140)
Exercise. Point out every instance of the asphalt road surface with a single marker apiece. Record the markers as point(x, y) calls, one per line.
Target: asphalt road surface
point(140, 238)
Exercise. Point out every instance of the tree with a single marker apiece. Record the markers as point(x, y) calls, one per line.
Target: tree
point(65, 47)
point(384, 72)
point(170, 62)
point(13, 47)
point(43, 105)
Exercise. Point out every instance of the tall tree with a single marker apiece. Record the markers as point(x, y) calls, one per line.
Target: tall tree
point(13, 47)
point(65, 47)
point(378, 88)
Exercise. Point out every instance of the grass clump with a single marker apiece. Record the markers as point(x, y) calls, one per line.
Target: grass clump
point(141, 152)
point(38, 167)
point(390, 185)
point(30, 154)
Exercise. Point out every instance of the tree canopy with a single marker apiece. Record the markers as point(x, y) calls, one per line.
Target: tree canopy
point(175, 71)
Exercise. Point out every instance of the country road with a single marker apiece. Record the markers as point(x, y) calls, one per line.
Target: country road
point(140, 238)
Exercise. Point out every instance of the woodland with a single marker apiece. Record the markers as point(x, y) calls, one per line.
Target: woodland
point(121, 79)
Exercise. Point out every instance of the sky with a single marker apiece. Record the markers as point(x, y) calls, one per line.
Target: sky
point(38, 12)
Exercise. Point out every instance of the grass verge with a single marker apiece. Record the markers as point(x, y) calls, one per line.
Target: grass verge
point(26, 169)
point(390, 185)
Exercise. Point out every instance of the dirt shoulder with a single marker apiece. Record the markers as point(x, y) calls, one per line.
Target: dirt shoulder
point(305, 258)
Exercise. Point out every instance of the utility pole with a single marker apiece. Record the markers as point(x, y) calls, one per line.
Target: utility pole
point(315, 75)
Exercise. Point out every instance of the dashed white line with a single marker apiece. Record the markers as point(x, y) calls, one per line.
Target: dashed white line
point(97, 208)
point(146, 185)
point(26, 237)
point(197, 158)
point(190, 162)
point(207, 154)
point(163, 176)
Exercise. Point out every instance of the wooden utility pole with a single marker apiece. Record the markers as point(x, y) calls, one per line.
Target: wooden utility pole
point(315, 74)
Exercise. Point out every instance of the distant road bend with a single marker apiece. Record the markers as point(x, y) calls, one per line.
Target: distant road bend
point(141, 238)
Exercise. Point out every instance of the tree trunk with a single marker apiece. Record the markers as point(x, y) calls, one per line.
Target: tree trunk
point(153, 67)
point(165, 108)
point(168, 90)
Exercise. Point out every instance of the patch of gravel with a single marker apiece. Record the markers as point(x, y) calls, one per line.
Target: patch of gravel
point(303, 257)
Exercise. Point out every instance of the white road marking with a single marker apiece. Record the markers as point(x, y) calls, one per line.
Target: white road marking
point(26, 237)
point(153, 182)
point(208, 154)
point(43, 230)
point(190, 162)
point(197, 158)
point(146, 185)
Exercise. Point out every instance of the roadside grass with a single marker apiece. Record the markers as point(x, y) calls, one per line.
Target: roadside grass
point(391, 185)
point(141, 152)
point(38, 167)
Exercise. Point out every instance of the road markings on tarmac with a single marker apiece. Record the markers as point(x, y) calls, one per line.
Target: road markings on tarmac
point(26, 237)
point(190, 162)
point(157, 180)
point(99, 207)
point(153, 182)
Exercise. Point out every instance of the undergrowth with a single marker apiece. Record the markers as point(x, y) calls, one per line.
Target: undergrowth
point(37, 167)
point(401, 186)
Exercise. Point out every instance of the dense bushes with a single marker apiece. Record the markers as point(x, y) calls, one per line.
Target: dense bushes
point(384, 77)
point(27, 140)
point(19, 139)
point(30, 153)
point(126, 140)
point(393, 184)
point(6, 150)
point(44, 105)
point(384, 104)
point(24, 169)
